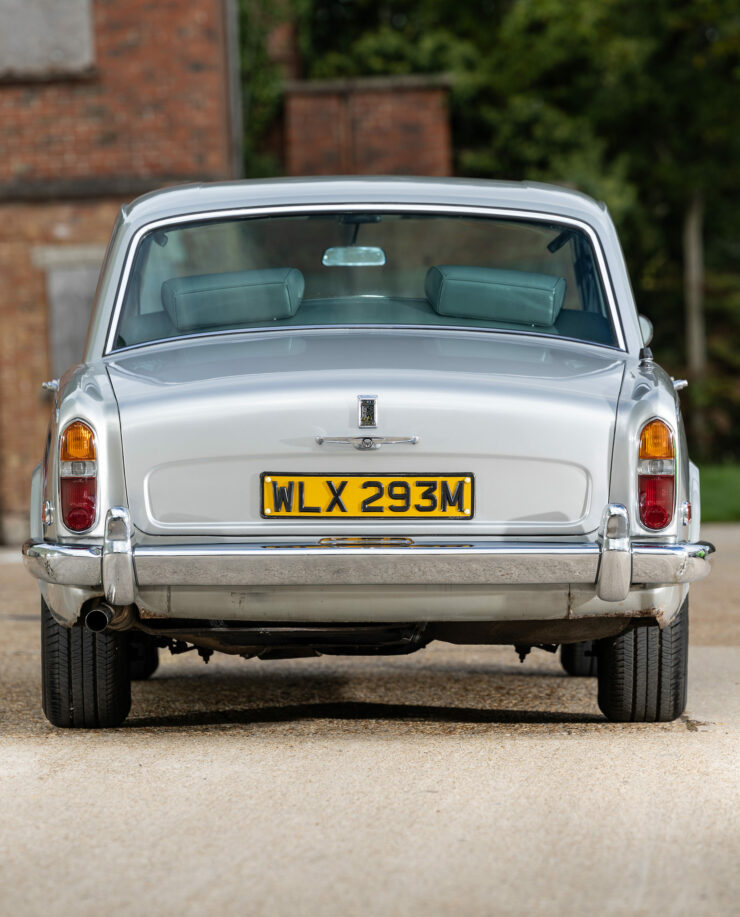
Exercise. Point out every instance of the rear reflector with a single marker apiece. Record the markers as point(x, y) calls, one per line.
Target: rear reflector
point(656, 500)
point(78, 503)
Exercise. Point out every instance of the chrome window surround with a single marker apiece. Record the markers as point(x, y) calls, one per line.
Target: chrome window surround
point(455, 210)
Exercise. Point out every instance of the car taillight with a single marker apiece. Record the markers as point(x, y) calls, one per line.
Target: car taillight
point(656, 475)
point(78, 470)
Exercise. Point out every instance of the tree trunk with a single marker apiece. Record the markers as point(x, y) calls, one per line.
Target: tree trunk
point(693, 274)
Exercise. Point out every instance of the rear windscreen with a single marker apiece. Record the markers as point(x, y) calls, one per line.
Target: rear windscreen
point(365, 268)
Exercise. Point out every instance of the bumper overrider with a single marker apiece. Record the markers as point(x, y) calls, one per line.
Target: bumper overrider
point(613, 565)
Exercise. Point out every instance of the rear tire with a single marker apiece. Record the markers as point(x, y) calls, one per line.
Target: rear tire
point(579, 658)
point(143, 656)
point(85, 676)
point(643, 672)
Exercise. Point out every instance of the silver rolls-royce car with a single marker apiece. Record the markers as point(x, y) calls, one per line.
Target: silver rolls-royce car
point(353, 416)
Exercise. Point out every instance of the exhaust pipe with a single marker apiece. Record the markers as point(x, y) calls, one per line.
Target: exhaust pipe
point(98, 618)
point(103, 617)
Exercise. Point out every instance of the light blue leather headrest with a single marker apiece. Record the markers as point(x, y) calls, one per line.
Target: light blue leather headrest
point(495, 295)
point(239, 297)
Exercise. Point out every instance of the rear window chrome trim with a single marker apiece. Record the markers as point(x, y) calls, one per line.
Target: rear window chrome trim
point(385, 207)
point(430, 329)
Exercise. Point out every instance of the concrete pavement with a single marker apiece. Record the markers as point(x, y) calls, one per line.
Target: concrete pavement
point(454, 781)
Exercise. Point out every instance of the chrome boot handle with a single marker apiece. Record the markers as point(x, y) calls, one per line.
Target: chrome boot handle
point(368, 442)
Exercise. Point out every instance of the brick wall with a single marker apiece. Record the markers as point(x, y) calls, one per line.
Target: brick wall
point(153, 102)
point(26, 230)
point(155, 105)
point(388, 125)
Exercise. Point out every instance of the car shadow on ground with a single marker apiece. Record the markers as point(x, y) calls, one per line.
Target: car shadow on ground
point(358, 711)
point(433, 696)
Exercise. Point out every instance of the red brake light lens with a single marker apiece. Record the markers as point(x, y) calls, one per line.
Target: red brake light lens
point(656, 500)
point(79, 498)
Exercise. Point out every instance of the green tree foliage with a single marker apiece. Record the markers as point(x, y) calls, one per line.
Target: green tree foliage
point(635, 103)
point(261, 83)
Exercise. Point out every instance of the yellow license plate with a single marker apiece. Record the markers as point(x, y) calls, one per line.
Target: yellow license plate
point(363, 496)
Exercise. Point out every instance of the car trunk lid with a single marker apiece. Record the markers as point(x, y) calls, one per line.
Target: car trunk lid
point(529, 418)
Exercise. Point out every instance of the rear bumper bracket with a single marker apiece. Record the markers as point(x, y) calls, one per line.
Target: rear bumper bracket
point(615, 565)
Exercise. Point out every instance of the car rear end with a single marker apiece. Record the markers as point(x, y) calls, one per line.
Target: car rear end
point(358, 428)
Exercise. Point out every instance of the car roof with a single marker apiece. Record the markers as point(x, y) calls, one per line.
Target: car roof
point(185, 201)
point(216, 196)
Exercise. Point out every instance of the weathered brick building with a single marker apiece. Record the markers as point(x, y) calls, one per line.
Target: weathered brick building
point(100, 100)
point(397, 125)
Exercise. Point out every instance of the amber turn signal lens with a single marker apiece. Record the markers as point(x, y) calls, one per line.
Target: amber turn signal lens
point(78, 443)
point(656, 441)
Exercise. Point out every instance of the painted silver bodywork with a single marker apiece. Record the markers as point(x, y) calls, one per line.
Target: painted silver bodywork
point(533, 421)
point(549, 427)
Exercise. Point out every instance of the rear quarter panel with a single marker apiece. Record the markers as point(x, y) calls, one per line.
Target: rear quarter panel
point(85, 393)
point(647, 393)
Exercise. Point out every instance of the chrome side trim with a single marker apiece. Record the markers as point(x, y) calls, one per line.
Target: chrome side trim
point(119, 581)
point(64, 565)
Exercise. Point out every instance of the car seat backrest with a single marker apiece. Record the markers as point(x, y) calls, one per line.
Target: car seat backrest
point(495, 295)
point(235, 298)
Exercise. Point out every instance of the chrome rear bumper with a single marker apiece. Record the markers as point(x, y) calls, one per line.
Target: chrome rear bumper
point(612, 565)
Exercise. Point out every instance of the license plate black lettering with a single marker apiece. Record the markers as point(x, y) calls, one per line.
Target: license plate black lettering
point(302, 508)
point(347, 495)
point(336, 496)
point(367, 504)
point(427, 494)
point(453, 499)
point(282, 497)
point(399, 491)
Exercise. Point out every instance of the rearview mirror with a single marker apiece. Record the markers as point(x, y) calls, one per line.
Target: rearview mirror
point(354, 256)
point(646, 327)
